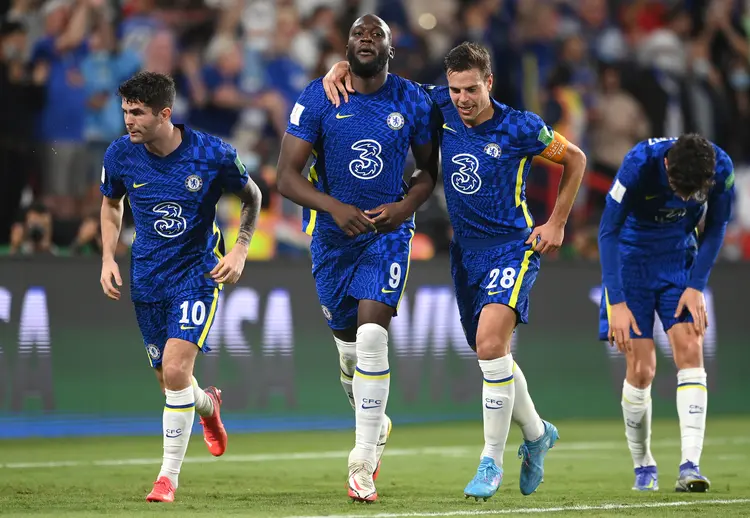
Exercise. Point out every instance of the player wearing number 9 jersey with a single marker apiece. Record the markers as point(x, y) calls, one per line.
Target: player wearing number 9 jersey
point(653, 262)
point(486, 150)
point(173, 177)
point(361, 220)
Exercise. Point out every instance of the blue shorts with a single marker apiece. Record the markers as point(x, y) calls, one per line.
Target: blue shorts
point(500, 274)
point(652, 285)
point(374, 267)
point(187, 316)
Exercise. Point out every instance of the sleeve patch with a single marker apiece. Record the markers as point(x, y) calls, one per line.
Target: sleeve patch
point(546, 136)
point(294, 118)
point(104, 174)
point(556, 149)
point(618, 191)
point(729, 181)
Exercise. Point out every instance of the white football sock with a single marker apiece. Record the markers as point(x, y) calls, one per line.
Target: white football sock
point(347, 364)
point(692, 402)
point(636, 410)
point(524, 412)
point(498, 396)
point(179, 413)
point(204, 406)
point(370, 387)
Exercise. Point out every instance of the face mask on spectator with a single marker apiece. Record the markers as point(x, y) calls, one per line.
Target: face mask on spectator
point(36, 233)
point(740, 80)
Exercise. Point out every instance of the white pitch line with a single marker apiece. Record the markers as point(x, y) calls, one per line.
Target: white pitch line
point(448, 451)
point(534, 510)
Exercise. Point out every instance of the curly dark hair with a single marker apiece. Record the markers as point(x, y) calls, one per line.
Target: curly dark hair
point(691, 164)
point(466, 56)
point(157, 91)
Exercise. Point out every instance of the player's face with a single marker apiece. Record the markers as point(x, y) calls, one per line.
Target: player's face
point(142, 124)
point(470, 94)
point(369, 47)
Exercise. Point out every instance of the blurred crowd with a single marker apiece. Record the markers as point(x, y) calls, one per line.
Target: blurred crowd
point(606, 74)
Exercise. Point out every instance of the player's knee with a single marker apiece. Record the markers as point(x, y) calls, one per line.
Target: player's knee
point(347, 356)
point(641, 374)
point(688, 353)
point(372, 345)
point(176, 375)
point(491, 348)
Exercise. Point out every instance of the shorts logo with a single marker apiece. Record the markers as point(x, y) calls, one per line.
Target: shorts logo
point(493, 150)
point(326, 313)
point(395, 121)
point(193, 183)
point(153, 351)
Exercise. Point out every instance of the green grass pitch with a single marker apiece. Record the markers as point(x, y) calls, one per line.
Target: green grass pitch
point(425, 468)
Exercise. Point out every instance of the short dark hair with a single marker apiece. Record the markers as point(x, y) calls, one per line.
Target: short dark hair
point(466, 56)
point(691, 162)
point(157, 91)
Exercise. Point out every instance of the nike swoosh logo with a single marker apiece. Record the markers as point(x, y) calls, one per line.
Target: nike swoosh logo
point(185, 328)
point(138, 185)
point(652, 197)
point(494, 292)
point(492, 407)
point(339, 116)
point(388, 291)
point(445, 126)
point(369, 407)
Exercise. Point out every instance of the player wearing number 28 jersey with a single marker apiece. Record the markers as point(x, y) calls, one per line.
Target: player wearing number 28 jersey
point(486, 150)
point(654, 263)
point(360, 212)
point(173, 178)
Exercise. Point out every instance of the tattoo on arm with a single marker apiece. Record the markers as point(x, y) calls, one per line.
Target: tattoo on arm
point(251, 199)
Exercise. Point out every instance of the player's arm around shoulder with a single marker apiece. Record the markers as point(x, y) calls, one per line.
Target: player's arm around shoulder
point(554, 147)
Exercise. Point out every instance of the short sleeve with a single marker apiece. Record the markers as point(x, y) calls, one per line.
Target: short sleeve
point(423, 125)
point(233, 172)
point(112, 184)
point(533, 133)
point(304, 121)
point(627, 177)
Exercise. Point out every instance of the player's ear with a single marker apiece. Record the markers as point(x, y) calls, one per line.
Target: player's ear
point(490, 80)
point(391, 52)
point(165, 114)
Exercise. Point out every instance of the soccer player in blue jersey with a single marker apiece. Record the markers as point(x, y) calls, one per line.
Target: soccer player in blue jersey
point(360, 215)
point(487, 149)
point(653, 262)
point(173, 177)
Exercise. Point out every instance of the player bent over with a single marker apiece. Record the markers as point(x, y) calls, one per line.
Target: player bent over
point(173, 177)
point(360, 216)
point(654, 262)
point(487, 148)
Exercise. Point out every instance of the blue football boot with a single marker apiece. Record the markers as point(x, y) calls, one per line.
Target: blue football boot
point(532, 455)
point(646, 479)
point(691, 480)
point(486, 482)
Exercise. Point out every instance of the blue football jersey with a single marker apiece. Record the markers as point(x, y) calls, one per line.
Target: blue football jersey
point(485, 167)
point(360, 148)
point(655, 218)
point(173, 200)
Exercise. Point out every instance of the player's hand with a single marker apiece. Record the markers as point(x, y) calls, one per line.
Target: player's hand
point(338, 79)
point(694, 301)
point(229, 268)
point(550, 236)
point(621, 320)
point(351, 220)
point(389, 217)
point(110, 272)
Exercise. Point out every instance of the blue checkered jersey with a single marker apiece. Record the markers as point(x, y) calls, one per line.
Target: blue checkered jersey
point(360, 148)
point(173, 199)
point(485, 167)
point(644, 217)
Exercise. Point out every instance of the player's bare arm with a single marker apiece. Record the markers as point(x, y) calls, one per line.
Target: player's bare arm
point(111, 223)
point(290, 183)
point(337, 81)
point(573, 160)
point(390, 216)
point(229, 269)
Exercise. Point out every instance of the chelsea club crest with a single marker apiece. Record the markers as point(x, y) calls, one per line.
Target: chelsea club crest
point(153, 351)
point(395, 121)
point(493, 150)
point(193, 183)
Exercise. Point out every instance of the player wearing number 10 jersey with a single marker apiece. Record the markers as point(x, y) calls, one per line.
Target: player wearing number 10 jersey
point(173, 177)
point(486, 150)
point(361, 220)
